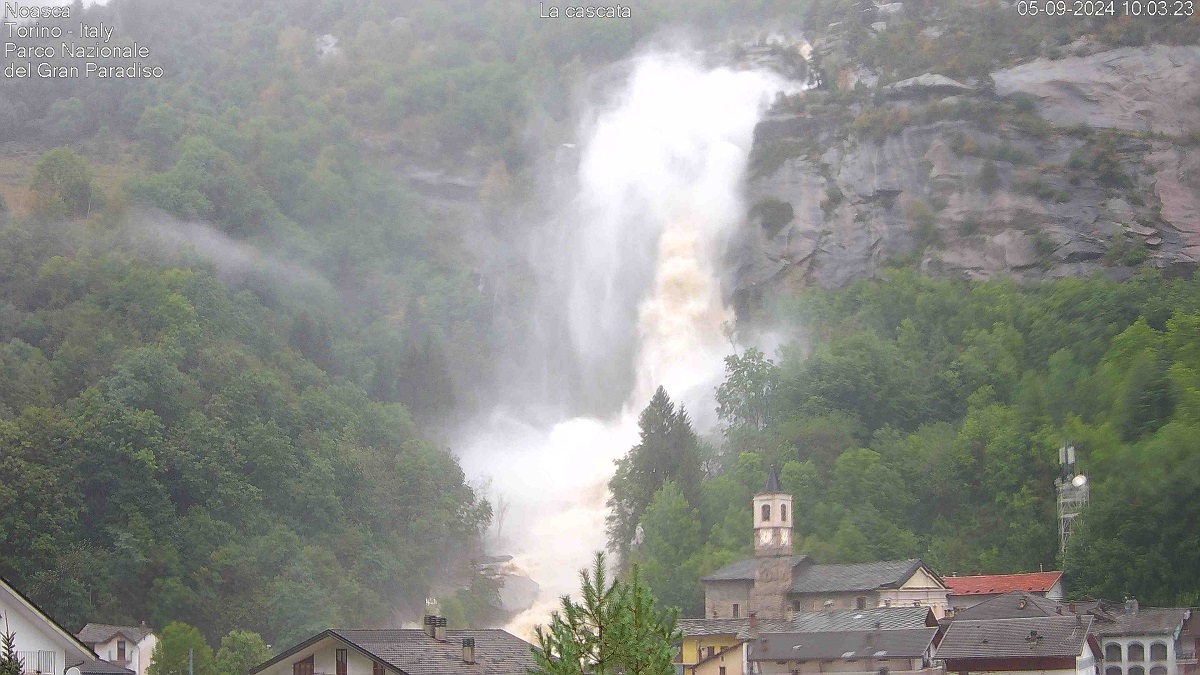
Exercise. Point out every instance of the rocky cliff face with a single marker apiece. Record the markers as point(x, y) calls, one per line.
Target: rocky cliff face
point(1066, 167)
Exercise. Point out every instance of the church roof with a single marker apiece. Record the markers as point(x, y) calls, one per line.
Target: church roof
point(772, 480)
point(743, 570)
point(828, 578)
point(857, 577)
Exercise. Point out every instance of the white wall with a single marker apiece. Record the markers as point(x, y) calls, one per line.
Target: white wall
point(325, 660)
point(1146, 663)
point(31, 636)
point(138, 654)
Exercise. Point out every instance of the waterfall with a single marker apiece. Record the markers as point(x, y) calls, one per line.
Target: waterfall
point(658, 193)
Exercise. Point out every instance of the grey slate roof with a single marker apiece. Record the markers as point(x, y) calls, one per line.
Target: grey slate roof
point(94, 633)
point(743, 570)
point(411, 651)
point(843, 645)
point(1017, 604)
point(887, 618)
point(102, 667)
point(739, 628)
point(1041, 636)
point(860, 577)
point(828, 578)
point(1146, 621)
point(772, 480)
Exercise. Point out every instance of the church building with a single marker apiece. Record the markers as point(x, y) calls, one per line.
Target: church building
point(775, 583)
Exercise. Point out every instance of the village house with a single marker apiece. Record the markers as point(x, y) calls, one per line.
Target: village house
point(1133, 640)
point(776, 584)
point(1148, 641)
point(126, 646)
point(1045, 645)
point(865, 652)
point(43, 646)
point(719, 646)
point(971, 590)
point(431, 651)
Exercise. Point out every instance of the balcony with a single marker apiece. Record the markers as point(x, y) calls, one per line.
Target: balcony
point(1186, 658)
point(38, 662)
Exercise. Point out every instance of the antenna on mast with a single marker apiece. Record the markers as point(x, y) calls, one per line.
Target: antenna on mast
point(1073, 496)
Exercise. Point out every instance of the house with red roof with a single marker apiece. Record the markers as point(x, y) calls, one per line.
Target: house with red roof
point(970, 591)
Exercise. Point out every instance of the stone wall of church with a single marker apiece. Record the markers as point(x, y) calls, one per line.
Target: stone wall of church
point(772, 580)
point(727, 599)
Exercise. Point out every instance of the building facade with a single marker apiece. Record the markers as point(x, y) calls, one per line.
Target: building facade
point(126, 646)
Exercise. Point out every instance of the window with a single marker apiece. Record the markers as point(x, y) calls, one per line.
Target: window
point(1158, 652)
point(120, 650)
point(1136, 652)
point(887, 602)
point(711, 651)
point(1137, 670)
point(721, 670)
point(860, 602)
point(783, 512)
point(1158, 670)
point(303, 667)
point(1112, 670)
point(341, 661)
point(1112, 654)
point(377, 669)
point(735, 607)
point(766, 512)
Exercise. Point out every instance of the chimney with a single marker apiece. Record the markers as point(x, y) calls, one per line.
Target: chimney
point(439, 628)
point(468, 650)
point(1071, 608)
point(428, 624)
point(753, 620)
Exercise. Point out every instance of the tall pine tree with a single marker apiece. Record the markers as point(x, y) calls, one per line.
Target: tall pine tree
point(668, 450)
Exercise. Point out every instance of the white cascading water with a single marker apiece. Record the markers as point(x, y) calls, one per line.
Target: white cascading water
point(663, 163)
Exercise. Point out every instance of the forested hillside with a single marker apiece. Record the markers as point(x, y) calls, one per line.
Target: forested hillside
point(230, 332)
point(921, 418)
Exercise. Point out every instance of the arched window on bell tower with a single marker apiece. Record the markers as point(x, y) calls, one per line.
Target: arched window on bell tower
point(772, 529)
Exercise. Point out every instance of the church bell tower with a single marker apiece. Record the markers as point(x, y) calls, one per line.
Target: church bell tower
point(773, 550)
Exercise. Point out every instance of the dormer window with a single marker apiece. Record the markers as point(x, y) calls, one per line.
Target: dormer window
point(766, 512)
point(120, 650)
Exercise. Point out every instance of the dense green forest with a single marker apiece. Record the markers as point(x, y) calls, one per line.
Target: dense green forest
point(236, 428)
point(253, 445)
point(920, 418)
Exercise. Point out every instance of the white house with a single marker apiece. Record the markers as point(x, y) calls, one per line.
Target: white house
point(44, 647)
point(1148, 641)
point(126, 646)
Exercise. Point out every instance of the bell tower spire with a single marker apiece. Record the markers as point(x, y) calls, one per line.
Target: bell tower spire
point(773, 550)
